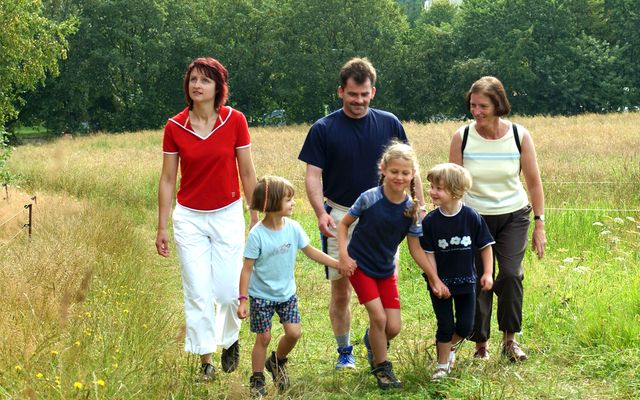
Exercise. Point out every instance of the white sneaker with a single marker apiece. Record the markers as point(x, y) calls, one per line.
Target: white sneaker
point(452, 360)
point(440, 373)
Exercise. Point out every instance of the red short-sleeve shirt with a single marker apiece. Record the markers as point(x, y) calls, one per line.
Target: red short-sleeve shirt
point(208, 170)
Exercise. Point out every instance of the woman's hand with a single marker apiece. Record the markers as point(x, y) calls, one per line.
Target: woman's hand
point(162, 243)
point(539, 239)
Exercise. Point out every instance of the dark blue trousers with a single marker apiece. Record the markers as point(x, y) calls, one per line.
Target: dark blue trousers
point(449, 323)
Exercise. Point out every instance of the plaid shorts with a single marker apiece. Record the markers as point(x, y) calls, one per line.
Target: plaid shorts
point(261, 311)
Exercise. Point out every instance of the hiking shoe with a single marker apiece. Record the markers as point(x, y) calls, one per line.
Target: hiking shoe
point(440, 373)
point(277, 368)
point(257, 385)
point(512, 350)
point(481, 353)
point(345, 358)
point(208, 372)
point(385, 376)
point(230, 357)
point(365, 340)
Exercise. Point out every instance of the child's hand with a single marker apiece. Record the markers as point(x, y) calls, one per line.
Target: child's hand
point(486, 282)
point(440, 290)
point(242, 309)
point(346, 266)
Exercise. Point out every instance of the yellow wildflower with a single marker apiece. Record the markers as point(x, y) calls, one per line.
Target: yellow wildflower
point(77, 385)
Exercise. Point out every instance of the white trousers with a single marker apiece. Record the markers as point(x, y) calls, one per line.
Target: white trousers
point(210, 247)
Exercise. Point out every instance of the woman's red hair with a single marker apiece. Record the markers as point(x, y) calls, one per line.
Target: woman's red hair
point(214, 70)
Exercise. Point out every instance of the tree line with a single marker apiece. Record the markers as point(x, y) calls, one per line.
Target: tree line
point(117, 65)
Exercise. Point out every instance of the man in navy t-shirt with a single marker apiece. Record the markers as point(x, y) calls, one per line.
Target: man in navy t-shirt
point(342, 151)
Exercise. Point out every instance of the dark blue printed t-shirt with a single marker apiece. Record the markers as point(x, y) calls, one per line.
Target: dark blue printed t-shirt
point(455, 239)
point(381, 227)
point(348, 150)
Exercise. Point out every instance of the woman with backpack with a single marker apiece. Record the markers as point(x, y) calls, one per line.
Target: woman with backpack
point(496, 151)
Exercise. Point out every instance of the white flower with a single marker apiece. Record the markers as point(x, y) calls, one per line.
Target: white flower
point(618, 220)
point(631, 219)
point(562, 267)
point(443, 244)
point(455, 240)
point(597, 224)
point(580, 269)
point(568, 260)
point(466, 241)
point(605, 232)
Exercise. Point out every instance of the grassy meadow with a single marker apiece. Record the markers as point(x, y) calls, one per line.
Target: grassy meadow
point(89, 311)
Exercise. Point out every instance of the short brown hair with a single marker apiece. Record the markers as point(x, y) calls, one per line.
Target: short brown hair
point(455, 179)
point(359, 69)
point(491, 87)
point(214, 70)
point(269, 193)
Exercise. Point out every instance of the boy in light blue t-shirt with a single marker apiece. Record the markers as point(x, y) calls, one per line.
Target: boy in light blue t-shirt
point(267, 279)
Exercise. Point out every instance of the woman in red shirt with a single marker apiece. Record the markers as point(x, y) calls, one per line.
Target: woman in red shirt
point(210, 143)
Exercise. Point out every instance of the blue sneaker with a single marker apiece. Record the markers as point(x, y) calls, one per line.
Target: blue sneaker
point(365, 340)
point(345, 358)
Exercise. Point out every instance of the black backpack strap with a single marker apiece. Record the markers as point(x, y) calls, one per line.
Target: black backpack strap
point(465, 136)
point(516, 137)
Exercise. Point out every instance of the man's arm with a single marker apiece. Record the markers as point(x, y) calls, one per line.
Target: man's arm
point(313, 184)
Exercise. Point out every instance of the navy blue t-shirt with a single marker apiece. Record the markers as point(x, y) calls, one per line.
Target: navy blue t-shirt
point(455, 239)
point(348, 151)
point(381, 227)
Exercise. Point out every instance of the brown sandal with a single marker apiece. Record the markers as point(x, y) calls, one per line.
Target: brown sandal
point(481, 353)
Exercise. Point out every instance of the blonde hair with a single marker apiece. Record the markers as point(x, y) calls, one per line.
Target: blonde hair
point(455, 179)
point(269, 193)
point(401, 151)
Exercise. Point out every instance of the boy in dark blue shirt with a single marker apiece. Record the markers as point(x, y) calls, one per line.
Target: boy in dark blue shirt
point(453, 233)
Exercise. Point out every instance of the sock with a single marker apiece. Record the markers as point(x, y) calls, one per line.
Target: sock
point(344, 340)
point(442, 366)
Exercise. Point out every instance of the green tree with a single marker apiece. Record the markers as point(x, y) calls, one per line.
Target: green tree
point(244, 36)
point(623, 22)
point(318, 37)
point(125, 66)
point(420, 82)
point(31, 45)
point(412, 9)
point(547, 61)
point(5, 152)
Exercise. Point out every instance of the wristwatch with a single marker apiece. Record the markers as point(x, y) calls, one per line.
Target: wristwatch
point(540, 217)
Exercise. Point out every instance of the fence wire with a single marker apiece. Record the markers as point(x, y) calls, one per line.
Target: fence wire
point(5, 222)
point(5, 244)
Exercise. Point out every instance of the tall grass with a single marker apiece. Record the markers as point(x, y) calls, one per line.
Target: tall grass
point(89, 311)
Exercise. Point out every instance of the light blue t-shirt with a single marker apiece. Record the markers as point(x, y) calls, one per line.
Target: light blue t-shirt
point(275, 255)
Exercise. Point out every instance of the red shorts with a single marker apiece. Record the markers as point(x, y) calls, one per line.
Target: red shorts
point(368, 288)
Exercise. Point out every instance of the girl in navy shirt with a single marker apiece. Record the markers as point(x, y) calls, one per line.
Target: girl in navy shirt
point(453, 233)
point(386, 215)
